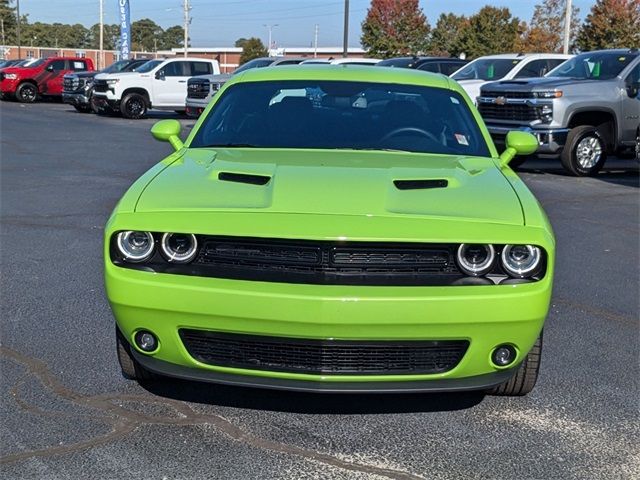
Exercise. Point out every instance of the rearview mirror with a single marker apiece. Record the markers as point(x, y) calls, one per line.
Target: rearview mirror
point(168, 131)
point(518, 143)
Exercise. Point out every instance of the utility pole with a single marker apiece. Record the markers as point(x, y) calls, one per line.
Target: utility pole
point(567, 26)
point(345, 40)
point(2, 27)
point(101, 53)
point(18, 28)
point(315, 42)
point(270, 28)
point(187, 20)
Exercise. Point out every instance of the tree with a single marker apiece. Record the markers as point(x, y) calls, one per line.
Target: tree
point(240, 42)
point(546, 31)
point(252, 48)
point(395, 27)
point(491, 30)
point(145, 33)
point(111, 34)
point(611, 24)
point(446, 36)
point(8, 19)
point(172, 37)
point(56, 35)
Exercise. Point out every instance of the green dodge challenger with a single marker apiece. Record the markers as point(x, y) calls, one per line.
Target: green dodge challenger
point(333, 229)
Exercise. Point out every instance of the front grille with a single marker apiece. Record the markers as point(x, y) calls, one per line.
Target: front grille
point(496, 94)
point(331, 263)
point(323, 357)
point(100, 86)
point(73, 84)
point(1, 76)
point(517, 112)
point(198, 88)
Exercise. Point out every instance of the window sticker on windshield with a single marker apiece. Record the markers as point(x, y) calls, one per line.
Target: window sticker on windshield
point(78, 65)
point(455, 101)
point(622, 59)
point(462, 140)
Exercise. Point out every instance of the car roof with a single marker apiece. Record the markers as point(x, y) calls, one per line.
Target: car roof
point(350, 73)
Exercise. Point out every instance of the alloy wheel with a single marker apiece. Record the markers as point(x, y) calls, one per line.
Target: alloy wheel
point(589, 152)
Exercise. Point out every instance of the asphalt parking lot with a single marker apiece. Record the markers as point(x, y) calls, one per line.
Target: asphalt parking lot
point(66, 411)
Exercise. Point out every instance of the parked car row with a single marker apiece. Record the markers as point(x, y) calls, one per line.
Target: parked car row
point(580, 108)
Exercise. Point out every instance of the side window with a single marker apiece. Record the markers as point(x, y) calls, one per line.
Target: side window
point(553, 63)
point(57, 65)
point(176, 69)
point(535, 68)
point(448, 68)
point(79, 65)
point(429, 67)
point(634, 76)
point(200, 68)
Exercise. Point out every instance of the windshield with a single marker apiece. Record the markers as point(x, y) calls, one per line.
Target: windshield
point(486, 69)
point(147, 67)
point(593, 66)
point(404, 62)
point(30, 62)
point(116, 67)
point(342, 115)
point(255, 63)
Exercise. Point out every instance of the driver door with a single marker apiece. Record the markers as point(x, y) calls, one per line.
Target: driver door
point(51, 83)
point(631, 105)
point(170, 84)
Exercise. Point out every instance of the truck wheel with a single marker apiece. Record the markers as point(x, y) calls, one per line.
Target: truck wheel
point(584, 153)
point(525, 377)
point(133, 106)
point(131, 368)
point(27, 92)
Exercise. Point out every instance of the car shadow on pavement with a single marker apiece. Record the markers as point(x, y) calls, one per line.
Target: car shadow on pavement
point(618, 172)
point(311, 403)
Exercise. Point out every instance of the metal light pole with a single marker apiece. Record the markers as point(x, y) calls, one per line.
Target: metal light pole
point(270, 28)
point(101, 52)
point(18, 29)
point(345, 40)
point(567, 27)
point(186, 26)
point(315, 42)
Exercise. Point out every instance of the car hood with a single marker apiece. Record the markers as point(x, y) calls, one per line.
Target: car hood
point(333, 182)
point(535, 84)
point(89, 74)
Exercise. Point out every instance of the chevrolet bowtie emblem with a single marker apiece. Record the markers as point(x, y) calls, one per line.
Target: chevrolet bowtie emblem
point(500, 100)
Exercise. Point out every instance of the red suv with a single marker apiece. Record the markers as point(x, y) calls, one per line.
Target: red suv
point(42, 77)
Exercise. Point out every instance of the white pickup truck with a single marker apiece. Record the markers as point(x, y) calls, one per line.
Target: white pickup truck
point(158, 84)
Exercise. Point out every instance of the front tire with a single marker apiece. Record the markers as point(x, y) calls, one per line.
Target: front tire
point(525, 377)
point(131, 368)
point(27, 92)
point(133, 106)
point(585, 152)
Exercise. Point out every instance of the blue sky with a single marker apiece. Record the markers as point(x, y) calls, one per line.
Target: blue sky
point(220, 22)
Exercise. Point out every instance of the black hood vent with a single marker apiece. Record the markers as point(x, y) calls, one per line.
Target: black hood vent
point(420, 184)
point(244, 178)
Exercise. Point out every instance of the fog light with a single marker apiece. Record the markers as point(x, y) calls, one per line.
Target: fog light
point(146, 341)
point(503, 355)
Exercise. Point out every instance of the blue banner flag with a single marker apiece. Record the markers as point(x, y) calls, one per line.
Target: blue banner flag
point(125, 29)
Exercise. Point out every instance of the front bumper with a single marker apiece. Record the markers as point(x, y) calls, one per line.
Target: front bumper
point(550, 140)
point(195, 107)
point(76, 98)
point(8, 86)
point(105, 103)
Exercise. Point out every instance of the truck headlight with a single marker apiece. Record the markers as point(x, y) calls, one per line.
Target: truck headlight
point(10, 76)
point(113, 81)
point(548, 94)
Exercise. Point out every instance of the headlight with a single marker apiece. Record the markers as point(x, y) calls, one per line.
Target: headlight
point(475, 259)
point(521, 260)
point(135, 246)
point(548, 94)
point(10, 76)
point(113, 81)
point(179, 247)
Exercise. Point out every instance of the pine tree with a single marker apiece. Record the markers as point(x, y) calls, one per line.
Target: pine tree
point(492, 30)
point(611, 24)
point(395, 27)
point(546, 32)
point(252, 48)
point(446, 36)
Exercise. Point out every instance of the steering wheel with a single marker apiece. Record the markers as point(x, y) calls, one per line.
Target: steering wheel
point(401, 130)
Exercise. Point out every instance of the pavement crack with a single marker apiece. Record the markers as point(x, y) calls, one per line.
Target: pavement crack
point(124, 421)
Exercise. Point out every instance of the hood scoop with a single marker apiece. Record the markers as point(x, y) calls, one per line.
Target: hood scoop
point(247, 178)
point(420, 184)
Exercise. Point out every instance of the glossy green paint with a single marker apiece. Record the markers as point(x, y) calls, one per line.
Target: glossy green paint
point(168, 131)
point(518, 143)
point(333, 195)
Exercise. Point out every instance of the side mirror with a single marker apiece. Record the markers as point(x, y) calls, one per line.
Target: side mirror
point(168, 131)
point(49, 68)
point(160, 75)
point(518, 143)
point(633, 89)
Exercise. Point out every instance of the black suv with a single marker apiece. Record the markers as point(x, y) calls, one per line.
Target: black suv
point(78, 87)
point(443, 65)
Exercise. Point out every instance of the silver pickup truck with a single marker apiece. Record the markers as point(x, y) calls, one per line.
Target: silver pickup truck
point(581, 111)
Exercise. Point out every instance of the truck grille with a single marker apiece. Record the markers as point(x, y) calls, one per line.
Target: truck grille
point(516, 112)
point(72, 84)
point(323, 357)
point(100, 86)
point(332, 263)
point(485, 93)
point(198, 88)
